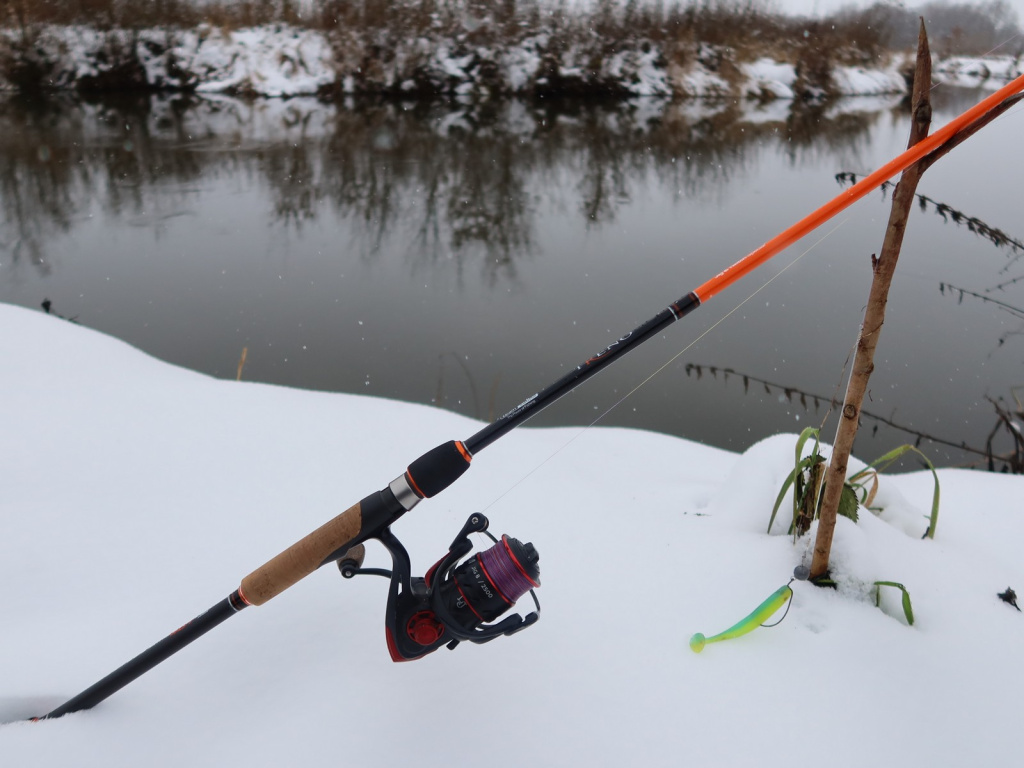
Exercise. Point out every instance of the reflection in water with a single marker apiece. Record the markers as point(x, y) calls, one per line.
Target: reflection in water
point(37, 182)
point(994, 235)
point(463, 255)
point(818, 407)
point(462, 174)
point(61, 156)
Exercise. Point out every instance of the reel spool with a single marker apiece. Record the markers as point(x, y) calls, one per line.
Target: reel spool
point(454, 601)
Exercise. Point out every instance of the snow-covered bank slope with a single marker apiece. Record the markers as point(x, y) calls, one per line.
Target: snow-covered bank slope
point(134, 494)
point(979, 72)
point(288, 61)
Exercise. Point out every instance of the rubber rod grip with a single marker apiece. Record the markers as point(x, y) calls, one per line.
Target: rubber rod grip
point(303, 557)
point(438, 468)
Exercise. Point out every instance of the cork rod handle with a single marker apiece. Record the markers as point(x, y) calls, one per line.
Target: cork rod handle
point(303, 557)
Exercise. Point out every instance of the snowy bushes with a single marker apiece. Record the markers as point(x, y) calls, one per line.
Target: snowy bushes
point(422, 48)
point(62, 57)
point(288, 61)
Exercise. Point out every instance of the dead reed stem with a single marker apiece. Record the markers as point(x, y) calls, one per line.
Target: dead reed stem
point(241, 363)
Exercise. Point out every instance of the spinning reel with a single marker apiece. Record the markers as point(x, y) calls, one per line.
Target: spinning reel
point(454, 602)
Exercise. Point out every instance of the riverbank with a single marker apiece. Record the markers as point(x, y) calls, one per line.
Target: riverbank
point(122, 471)
point(285, 61)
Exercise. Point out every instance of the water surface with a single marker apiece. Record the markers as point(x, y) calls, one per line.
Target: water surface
point(468, 256)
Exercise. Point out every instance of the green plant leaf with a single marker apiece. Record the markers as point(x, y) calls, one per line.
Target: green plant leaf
point(887, 459)
point(800, 464)
point(804, 436)
point(782, 493)
point(848, 502)
point(908, 609)
point(805, 464)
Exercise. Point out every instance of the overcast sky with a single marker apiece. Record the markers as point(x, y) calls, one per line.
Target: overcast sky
point(821, 7)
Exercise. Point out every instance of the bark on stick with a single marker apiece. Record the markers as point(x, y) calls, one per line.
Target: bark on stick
point(883, 268)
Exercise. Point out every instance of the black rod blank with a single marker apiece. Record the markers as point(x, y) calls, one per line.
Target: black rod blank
point(152, 656)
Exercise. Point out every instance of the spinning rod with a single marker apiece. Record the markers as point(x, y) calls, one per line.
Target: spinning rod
point(425, 613)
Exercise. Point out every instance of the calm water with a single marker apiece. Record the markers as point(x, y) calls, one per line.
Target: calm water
point(467, 257)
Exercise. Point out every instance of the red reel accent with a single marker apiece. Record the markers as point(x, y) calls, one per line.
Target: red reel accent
point(424, 628)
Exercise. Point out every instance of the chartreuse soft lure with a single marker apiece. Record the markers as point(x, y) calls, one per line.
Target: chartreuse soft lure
point(760, 614)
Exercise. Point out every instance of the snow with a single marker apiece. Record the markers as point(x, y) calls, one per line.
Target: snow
point(522, 62)
point(286, 61)
point(976, 72)
point(135, 494)
point(270, 61)
point(698, 82)
point(767, 78)
point(860, 81)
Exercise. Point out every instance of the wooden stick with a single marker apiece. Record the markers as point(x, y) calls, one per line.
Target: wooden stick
point(874, 314)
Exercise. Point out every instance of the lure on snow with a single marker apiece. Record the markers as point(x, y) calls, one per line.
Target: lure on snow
point(762, 613)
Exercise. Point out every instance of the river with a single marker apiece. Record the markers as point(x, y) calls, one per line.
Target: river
point(466, 256)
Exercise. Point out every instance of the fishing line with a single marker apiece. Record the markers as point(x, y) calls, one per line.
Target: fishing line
point(761, 254)
point(782, 596)
point(1015, 111)
point(719, 322)
point(670, 361)
point(785, 613)
point(989, 52)
point(436, 609)
point(664, 365)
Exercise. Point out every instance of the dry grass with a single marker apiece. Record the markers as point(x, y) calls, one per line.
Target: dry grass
point(744, 26)
point(141, 14)
point(735, 23)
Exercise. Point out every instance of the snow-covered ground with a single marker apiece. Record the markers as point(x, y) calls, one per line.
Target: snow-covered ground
point(133, 495)
point(979, 72)
point(279, 60)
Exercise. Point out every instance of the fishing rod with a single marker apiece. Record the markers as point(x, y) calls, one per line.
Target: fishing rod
point(462, 601)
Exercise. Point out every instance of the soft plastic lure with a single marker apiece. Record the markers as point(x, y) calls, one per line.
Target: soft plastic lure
point(762, 613)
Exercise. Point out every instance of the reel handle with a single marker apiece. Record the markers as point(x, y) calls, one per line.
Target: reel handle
point(350, 563)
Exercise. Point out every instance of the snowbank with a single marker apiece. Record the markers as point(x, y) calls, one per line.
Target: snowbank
point(860, 81)
point(268, 62)
point(767, 79)
point(279, 60)
point(135, 494)
point(976, 72)
point(283, 61)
